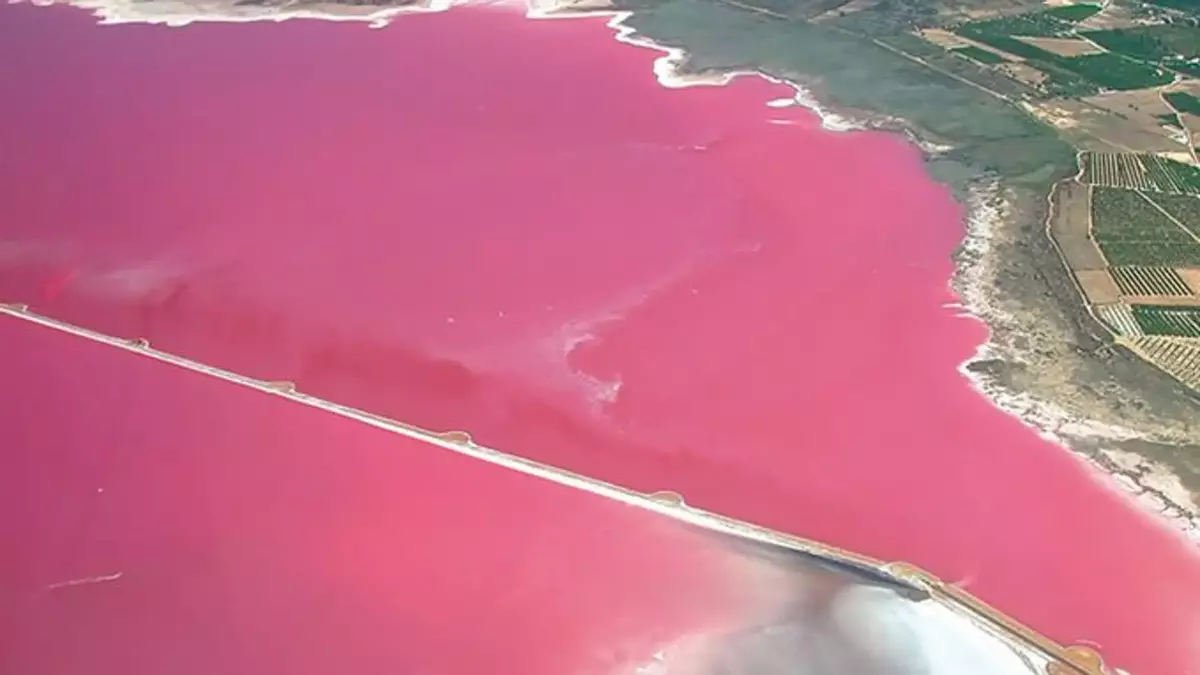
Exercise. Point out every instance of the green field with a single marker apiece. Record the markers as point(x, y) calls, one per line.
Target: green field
point(1036, 24)
point(1125, 215)
point(1183, 102)
point(1132, 232)
point(1073, 12)
point(1185, 209)
point(1076, 75)
point(1159, 320)
point(1149, 173)
point(981, 55)
point(1167, 45)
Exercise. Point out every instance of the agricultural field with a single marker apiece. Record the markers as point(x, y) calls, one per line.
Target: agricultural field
point(1183, 102)
point(1147, 281)
point(1035, 24)
point(1168, 321)
point(1120, 318)
point(1131, 231)
point(1167, 45)
point(1073, 13)
point(1184, 208)
point(1180, 358)
point(981, 55)
point(1140, 172)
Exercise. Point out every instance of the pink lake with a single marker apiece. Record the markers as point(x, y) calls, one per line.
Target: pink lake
point(475, 221)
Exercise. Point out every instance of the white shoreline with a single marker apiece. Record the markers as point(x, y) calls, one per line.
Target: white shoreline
point(1148, 487)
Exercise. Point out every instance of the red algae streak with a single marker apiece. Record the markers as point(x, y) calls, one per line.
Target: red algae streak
point(165, 521)
point(480, 222)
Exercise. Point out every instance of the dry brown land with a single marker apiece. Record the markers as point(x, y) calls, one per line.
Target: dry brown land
point(1191, 277)
point(1063, 46)
point(1113, 16)
point(1098, 286)
point(1166, 300)
point(1023, 73)
point(1071, 228)
point(1109, 124)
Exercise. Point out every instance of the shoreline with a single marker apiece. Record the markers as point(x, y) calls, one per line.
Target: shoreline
point(988, 208)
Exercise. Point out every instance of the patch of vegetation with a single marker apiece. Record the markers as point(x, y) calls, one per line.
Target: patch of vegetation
point(1132, 232)
point(1168, 119)
point(1115, 72)
point(981, 55)
point(1152, 254)
point(1183, 102)
point(1125, 215)
point(1080, 75)
point(1171, 176)
point(1174, 46)
point(1185, 6)
point(1150, 281)
point(1184, 208)
point(1159, 320)
point(859, 71)
point(1073, 13)
point(1035, 24)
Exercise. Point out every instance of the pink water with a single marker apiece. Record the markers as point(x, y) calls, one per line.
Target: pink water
point(474, 221)
point(180, 524)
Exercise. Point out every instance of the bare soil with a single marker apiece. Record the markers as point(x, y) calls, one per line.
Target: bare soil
point(1172, 300)
point(1118, 122)
point(1098, 286)
point(1192, 277)
point(1070, 225)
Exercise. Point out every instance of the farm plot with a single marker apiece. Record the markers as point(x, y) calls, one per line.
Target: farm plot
point(1131, 231)
point(1120, 318)
point(1140, 172)
point(1111, 169)
point(1167, 175)
point(1073, 13)
point(1150, 281)
point(1184, 208)
point(1159, 320)
point(1035, 24)
point(1180, 358)
point(981, 55)
point(1183, 102)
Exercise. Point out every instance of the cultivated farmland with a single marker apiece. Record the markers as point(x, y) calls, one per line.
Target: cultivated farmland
point(1183, 102)
point(1170, 321)
point(1184, 208)
point(1140, 172)
point(1120, 318)
point(1146, 281)
point(981, 55)
point(1180, 358)
point(1131, 231)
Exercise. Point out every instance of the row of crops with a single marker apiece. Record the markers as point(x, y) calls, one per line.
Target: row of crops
point(1160, 320)
point(1150, 281)
point(1185, 209)
point(1180, 358)
point(1140, 172)
point(1120, 318)
point(1135, 321)
point(1132, 232)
